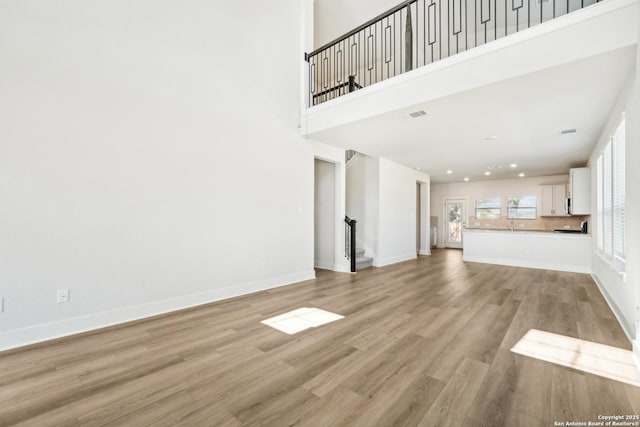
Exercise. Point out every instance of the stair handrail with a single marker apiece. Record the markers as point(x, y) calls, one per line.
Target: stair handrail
point(350, 242)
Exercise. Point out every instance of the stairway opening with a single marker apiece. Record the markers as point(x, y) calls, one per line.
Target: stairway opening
point(324, 214)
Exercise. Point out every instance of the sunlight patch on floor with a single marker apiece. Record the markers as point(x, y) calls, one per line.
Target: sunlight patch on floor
point(587, 356)
point(300, 319)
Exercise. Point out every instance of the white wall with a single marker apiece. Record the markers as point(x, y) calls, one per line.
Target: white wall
point(324, 214)
point(633, 201)
point(621, 294)
point(142, 163)
point(336, 156)
point(470, 191)
point(381, 196)
point(397, 217)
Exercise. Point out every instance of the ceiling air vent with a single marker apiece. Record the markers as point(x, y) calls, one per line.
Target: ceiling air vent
point(417, 114)
point(567, 131)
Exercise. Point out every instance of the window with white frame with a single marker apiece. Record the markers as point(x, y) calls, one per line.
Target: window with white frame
point(488, 208)
point(610, 199)
point(522, 207)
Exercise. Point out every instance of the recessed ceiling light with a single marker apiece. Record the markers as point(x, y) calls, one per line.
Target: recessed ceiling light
point(521, 175)
point(513, 165)
point(567, 131)
point(418, 169)
point(487, 173)
point(466, 179)
point(449, 171)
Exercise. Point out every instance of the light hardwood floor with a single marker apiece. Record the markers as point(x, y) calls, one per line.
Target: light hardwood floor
point(423, 343)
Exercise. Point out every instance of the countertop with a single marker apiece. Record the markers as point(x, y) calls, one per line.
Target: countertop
point(527, 232)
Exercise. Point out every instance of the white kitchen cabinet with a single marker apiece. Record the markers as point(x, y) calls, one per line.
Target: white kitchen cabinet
point(553, 200)
point(580, 191)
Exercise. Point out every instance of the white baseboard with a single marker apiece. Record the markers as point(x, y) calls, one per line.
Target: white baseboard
point(48, 331)
point(528, 264)
point(325, 265)
point(425, 251)
point(396, 259)
point(626, 327)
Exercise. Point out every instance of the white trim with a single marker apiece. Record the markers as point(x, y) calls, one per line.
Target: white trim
point(324, 265)
point(425, 252)
point(395, 259)
point(48, 331)
point(529, 264)
point(628, 330)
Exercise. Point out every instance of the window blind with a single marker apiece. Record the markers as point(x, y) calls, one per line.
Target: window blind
point(607, 188)
point(599, 204)
point(619, 193)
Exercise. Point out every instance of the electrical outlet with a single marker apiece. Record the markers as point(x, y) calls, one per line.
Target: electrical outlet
point(63, 296)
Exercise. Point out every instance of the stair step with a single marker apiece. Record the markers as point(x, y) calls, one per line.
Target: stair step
point(363, 262)
point(359, 252)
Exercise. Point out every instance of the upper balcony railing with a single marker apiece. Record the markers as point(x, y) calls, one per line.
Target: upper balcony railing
point(417, 33)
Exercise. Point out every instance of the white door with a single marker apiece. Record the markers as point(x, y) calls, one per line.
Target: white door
point(454, 221)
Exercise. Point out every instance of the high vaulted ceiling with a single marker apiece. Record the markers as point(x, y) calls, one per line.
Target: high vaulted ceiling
point(515, 121)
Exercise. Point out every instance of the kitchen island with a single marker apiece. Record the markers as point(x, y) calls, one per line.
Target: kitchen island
point(533, 249)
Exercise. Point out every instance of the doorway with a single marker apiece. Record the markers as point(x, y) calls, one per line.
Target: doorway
point(324, 214)
point(454, 214)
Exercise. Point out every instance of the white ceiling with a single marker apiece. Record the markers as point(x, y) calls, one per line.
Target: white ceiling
point(526, 114)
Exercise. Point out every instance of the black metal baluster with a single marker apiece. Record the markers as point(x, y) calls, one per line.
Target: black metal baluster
point(541, 11)
point(448, 28)
point(401, 42)
point(416, 44)
point(344, 59)
point(506, 25)
point(364, 75)
point(440, 29)
point(466, 31)
point(495, 21)
point(376, 53)
point(475, 21)
point(408, 41)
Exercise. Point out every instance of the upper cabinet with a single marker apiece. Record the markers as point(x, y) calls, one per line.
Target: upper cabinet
point(553, 200)
point(580, 191)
